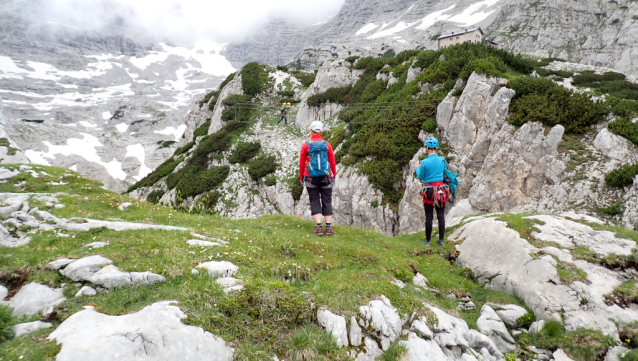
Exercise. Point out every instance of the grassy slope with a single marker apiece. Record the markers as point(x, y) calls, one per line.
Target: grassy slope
point(341, 272)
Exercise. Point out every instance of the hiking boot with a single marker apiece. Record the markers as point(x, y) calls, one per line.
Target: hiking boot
point(328, 231)
point(441, 242)
point(318, 231)
point(426, 243)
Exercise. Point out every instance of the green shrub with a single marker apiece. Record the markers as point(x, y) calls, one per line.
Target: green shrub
point(631, 355)
point(286, 93)
point(244, 151)
point(155, 196)
point(262, 166)
point(625, 128)
point(559, 74)
point(238, 107)
point(429, 125)
point(6, 322)
point(613, 210)
point(306, 79)
point(296, 188)
point(352, 59)
point(172, 180)
point(197, 183)
point(526, 320)
point(332, 95)
point(207, 98)
point(202, 130)
point(162, 171)
point(252, 79)
point(184, 149)
point(491, 66)
point(282, 68)
point(209, 199)
point(553, 105)
point(622, 107)
point(270, 181)
point(622, 176)
point(165, 143)
point(589, 77)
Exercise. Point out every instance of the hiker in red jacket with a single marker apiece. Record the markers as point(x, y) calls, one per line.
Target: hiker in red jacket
point(317, 171)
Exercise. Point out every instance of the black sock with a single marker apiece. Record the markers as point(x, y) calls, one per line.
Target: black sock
point(328, 224)
point(319, 225)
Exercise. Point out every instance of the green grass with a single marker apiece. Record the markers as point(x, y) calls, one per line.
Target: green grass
point(394, 353)
point(569, 273)
point(341, 273)
point(4, 142)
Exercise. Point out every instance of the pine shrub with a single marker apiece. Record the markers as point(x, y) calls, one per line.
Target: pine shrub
point(6, 322)
point(199, 182)
point(155, 196)
point(625, 128)
point(215, 94)
point(244, 151)
point(306, 79)
point(429, 125)
point(202, 130)
point(622, 176)
point(270, 181)
point(262, 166)
point(253, 79)
point(332, 95)
point(162, 171)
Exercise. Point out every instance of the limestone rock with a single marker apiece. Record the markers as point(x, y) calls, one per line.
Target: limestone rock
point(421, 329)
point(615, 352)
point(85, 268)
point(124, 206)
point(559, 355)
point(419, 280)
point(227, 282)
point(86, 291)
point(154, 333)
point(355, 332)
point(569, 234)
point(3, 292)
point(422, 350)
point(536, 327)
point(218, 268)
point(35, 298)
point(509, 314)
point(97, 244)
point(24, 328)
point(502, 260)
point(335, 325)
point(199, 242)
point(491, 324)
point(449, 331)
point(479, 341)
point(383, 319)
point(372, 350)
point(614, 146)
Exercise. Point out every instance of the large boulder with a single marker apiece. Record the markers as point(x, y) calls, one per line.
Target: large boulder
point(383, 318)
point(28, 327)
point(218, 268)
point(491, 324)
point(85, 268)
point(420, 349)
point(154, 333)
point(35, 298)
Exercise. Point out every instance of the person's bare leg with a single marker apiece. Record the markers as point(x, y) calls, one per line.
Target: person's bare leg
point(317, 218)
point(328, 219)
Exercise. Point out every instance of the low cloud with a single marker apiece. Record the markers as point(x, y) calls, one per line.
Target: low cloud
point(177, 21)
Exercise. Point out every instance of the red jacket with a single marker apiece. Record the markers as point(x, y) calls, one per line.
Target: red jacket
point(304, 159)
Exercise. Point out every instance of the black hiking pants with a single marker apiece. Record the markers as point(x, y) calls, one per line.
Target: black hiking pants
point(320, 194)
point(429, 217)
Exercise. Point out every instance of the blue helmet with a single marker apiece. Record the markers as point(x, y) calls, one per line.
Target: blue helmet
point(432, 142)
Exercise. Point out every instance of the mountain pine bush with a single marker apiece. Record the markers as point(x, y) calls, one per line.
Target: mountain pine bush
point(622, 176)
point(625, 128)
point(215, 94)
point(196, 183)
point(262, 166)
point(253, 78)
point(155, 196)
point(244, 151)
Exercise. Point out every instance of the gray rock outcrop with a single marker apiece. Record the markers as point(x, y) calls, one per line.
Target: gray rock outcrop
point(35, 298)
point(334, 325)
point(28, 327)
point(502, 260)
point(217, 268)
point(154, 333)
point(491, 324)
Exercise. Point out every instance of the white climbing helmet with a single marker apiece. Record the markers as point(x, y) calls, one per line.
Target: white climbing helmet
point(316, 126)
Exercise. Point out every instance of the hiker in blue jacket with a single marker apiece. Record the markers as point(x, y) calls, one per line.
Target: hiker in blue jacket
point(435, 193)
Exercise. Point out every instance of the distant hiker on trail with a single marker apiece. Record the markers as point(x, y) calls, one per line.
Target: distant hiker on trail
point(284, 110)
point(317, 171)
point(435, 192)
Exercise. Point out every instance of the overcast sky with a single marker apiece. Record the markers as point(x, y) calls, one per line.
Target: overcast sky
point(222, 20)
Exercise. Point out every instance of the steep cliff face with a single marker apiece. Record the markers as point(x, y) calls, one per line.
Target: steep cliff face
point(600, 33)
point(104, 104)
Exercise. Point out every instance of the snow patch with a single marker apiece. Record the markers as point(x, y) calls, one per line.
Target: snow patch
point(366, 29)
point(471, 14)
point(122, 127)
point(137, 151)
point(74, 167)
point(432, 18)
point(84, 148)
point(176, 132)
point(106, 115)
point(87, 124)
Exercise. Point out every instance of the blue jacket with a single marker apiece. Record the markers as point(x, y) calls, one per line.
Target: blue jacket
point(431, 169)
